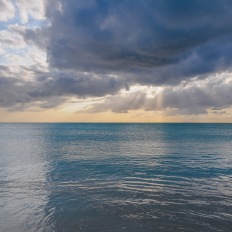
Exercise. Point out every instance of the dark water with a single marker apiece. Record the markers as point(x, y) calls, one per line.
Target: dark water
point(115, 177)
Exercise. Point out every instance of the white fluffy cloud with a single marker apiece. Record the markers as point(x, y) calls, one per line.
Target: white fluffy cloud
point(7, 10)
point(30, 9)
point(24, 9)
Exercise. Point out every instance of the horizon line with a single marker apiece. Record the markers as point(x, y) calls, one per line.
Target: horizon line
point(116, 122)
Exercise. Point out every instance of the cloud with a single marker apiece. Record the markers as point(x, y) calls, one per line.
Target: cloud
point(120, 104)
point(46, 86)
point(100, 48)
point(194, 97)
point(11, 39)
point(153, 42)
point(30, 9)
point(51, 89)
point(24, 9)
point(7, 10)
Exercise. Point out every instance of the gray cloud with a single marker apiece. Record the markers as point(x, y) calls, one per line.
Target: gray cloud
point(154, 42)
point(96, 48)
point(121, 104)
point(51, 88)
point(196, 97)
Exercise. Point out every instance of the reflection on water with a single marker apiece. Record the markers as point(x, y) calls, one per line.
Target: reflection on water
point(115, 177)
point(22, 177)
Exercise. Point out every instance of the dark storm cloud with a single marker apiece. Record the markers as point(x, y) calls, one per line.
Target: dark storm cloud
point(77, 84)
point(52, 88)
point(159, 42)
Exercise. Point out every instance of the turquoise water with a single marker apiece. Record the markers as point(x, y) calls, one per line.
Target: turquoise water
point(115, 177)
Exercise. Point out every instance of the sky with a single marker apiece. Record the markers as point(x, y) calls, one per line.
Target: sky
point(115, 61)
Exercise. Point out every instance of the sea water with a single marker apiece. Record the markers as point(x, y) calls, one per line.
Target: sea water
point(115, 177)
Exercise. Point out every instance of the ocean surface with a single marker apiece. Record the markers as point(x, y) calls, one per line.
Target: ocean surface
point(115, 177)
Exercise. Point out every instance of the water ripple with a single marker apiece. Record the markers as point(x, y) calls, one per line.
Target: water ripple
point(115, 177)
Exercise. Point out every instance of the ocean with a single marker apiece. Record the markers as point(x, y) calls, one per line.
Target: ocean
point(71, 177)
